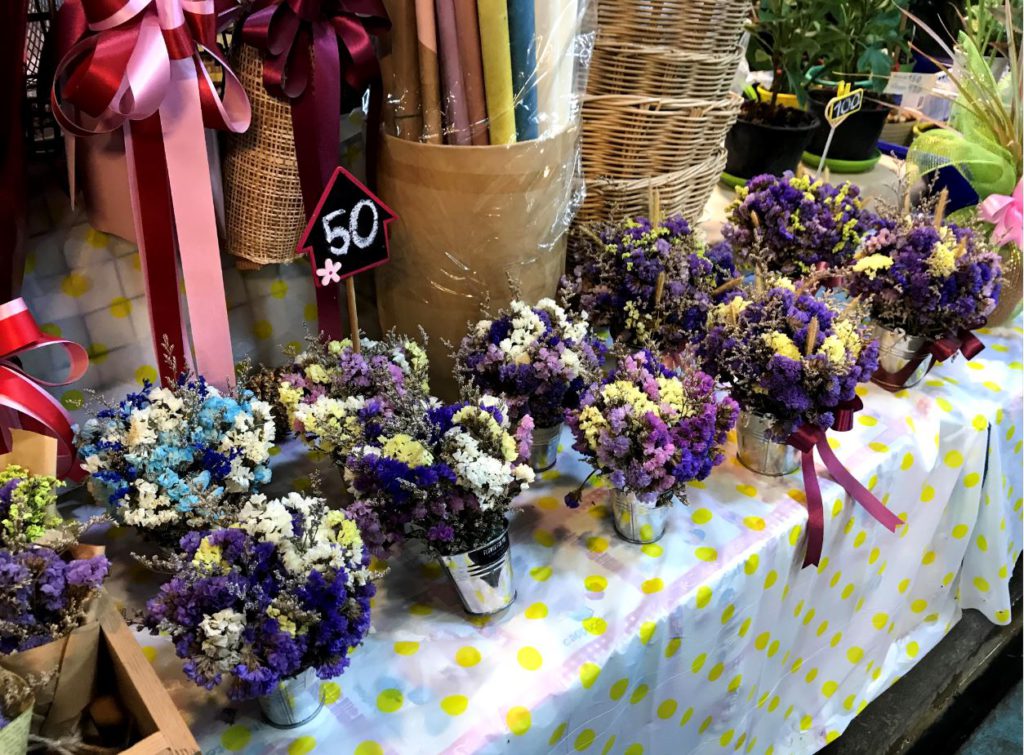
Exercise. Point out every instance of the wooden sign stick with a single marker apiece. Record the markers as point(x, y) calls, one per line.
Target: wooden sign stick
point(353, 313)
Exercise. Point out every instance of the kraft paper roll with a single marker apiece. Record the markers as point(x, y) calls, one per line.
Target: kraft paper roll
point(497, 57)
point(556, 23)
point(403, 70)
point(523, 49)
point(453, 91)
point(430, 84)
point(472, 69)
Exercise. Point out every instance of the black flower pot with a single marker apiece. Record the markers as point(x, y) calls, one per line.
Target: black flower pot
point(856, 137)
point(757, 147)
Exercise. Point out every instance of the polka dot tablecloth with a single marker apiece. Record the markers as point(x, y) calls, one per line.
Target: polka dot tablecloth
point(713, 640)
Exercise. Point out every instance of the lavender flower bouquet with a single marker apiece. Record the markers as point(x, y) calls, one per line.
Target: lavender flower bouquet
point(651, 285)
point(788, 355)
point(539, 359)
point(925, 281)
point(791, 224)
point(441, 473)
point(170, 459)
point(651, 430)
point(331, 393)
point(285, 590)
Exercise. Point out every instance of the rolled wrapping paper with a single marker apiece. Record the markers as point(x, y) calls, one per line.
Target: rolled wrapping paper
point(453, 103)
point(497, 58)
point(523, 51)
point(555, 22)
point(402, 74)
point(472, 69)
point(430, 84)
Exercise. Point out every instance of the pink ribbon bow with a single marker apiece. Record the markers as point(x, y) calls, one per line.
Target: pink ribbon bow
point(136, 65)
point(1007, 213)
point(806, 440)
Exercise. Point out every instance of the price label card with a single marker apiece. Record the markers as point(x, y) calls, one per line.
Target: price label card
point(909, 83)
point(348, 231)
point(843, 106)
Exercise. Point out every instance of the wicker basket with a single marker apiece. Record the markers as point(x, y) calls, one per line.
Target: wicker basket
point(626, 68)
point(699, 25)
point(639, 137)
point(262, 196)
point(682, 192)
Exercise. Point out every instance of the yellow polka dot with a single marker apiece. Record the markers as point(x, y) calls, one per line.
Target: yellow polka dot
point(726, 738)
point(595, 625)
point(262, 329)
point(980, 423)
point(467, 656)
point(634, 749)
point(837, 507)
point(761, 641)
point(703, 596)
point(908, 461)
point(647, 631)
point(879, 620)
point(829, 688)
point(279, 289)
point(667, 708)
point(302, 746)
point(144, 373)
point(420, 609)
point(330, 692)
point(744, 627)
point(706, 554)
point(652, 586)
point(971, 479)
point(51, 329)
point(309, 312)
point(773, 648)
point(1003, 616)
point(588, 674)
point(836, 639)
point(954, 459)
point(811, 676)
point(797, 495)
point(75, 285)
point(652, 549)
point(994, 387)
point(831, 736)
point(518, 720)
point(120, 307)
point(878, 447)
point(583, 740)
point(389, 700)
point(770, 579)
point(859, 540)
point(235, 738)
point(529, 658)
point(854, 654)
point(728, 613)
point(536, 611)
point(773, 704)
point(750, 566)
point(638, 694)
point(595, 583)
point(716, 672)
point(618, 689)
point(805, 723)
point(794, 535)
point(455, 705)
point(960, 531)
point(406, 648)
point(833, 443)
point(927, 493)
point(867, 420)
point(672, 647)
point(943, 403)
point(543, 538)
point(541, 573)
point(698, 662)
point(72, 399)
point(913, 649)
point(705, 724)
point(982, 584)
point(701, 516)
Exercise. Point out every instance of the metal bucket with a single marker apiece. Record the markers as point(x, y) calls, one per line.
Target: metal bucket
point(758, 452)
point(483, 576)
point(295, 701)
point(637, 522)
point(544, 447)
point(896, 351)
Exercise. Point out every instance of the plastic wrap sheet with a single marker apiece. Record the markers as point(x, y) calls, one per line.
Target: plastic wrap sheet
point(486, 198)
point(712, 640)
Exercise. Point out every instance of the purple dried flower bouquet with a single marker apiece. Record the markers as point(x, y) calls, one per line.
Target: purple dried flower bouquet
point(788, 355)
point(651, 430)
point(285, 590)
point(540, 359)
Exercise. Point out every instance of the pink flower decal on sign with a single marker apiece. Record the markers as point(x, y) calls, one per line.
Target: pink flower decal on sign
point(329, 273)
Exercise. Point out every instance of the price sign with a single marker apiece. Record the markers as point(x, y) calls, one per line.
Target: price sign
point(841, 107)
point(348, 231)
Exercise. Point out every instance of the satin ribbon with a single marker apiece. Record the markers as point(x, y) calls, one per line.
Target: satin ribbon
point(806, 440)
point(313, 51)
point(964, 341)
point(1007, 213)
point(136, 65)
point(23, 400)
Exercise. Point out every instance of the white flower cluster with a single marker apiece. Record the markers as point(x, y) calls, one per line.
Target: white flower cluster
point(331, 424)
point(222, 635)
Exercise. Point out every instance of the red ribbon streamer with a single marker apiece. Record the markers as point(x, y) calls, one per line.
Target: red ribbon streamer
point(23, 400)
point(805, 440)
point(964, 341)
point(313, 50)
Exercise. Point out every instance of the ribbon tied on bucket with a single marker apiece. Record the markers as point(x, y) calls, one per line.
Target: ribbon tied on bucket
point(806, 440)
point(314, 51)
point(963, 341)
point(24, 402)
point(137, 65)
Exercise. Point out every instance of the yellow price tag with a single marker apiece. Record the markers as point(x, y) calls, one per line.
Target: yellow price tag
point(844, 104)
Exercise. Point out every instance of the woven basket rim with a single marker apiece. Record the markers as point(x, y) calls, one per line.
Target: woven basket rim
point(687, 172)
point(631, 100)
point(621, 47)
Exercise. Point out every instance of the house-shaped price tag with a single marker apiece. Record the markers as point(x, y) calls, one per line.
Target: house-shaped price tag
point(347, 234)
point(838, 109)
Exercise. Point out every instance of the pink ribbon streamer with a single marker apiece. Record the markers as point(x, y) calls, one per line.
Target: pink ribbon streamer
point(141, 62)
point(1007, 213)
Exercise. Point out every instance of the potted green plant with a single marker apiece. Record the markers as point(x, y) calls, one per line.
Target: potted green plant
point(768, 136)
point(861, 42)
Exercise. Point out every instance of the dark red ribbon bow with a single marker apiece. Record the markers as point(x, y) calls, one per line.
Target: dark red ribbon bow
point(964, 341)
point(805, 440)
point(23, 400)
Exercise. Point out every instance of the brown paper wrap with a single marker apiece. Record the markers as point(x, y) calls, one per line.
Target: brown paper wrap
point(35, 452)
point(14, 736)
point(471, 219)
